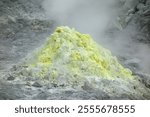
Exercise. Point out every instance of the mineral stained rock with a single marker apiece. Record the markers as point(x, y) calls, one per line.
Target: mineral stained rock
point(71, 57)
point(69, 60)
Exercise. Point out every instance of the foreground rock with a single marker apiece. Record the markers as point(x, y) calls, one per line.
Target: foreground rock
point(72, 61)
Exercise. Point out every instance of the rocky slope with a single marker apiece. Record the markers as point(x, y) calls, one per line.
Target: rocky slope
point(24, 27)
point(137, 12)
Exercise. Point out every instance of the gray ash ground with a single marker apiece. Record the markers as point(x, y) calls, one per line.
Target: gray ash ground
point(24, 27)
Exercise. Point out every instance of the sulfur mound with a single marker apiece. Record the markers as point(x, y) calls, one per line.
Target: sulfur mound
point(69, 56)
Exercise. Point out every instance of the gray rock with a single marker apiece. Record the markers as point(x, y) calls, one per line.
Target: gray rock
point(41, 96)
point(37, 84)
point(9, 91)
point(11, 78)
point(144, 78)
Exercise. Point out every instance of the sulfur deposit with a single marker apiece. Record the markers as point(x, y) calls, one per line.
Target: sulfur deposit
point(71, 57)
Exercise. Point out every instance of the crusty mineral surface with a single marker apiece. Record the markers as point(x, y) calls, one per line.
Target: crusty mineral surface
point(72, 56)
point(73, 61)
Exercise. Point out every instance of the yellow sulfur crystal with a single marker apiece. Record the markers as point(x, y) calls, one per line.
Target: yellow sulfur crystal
point(74, 56)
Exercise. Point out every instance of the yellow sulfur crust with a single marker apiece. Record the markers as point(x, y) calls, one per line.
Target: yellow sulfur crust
point(70, 53)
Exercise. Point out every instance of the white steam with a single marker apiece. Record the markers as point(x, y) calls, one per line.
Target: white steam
point(99, 19)
point(87, 16)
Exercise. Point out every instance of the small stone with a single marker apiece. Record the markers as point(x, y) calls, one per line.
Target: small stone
point(14, 68)
point(28, 83)
point(55, 85)
point(87, 86)
point(134, 87)
point(36, 84)
point(10, 78)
